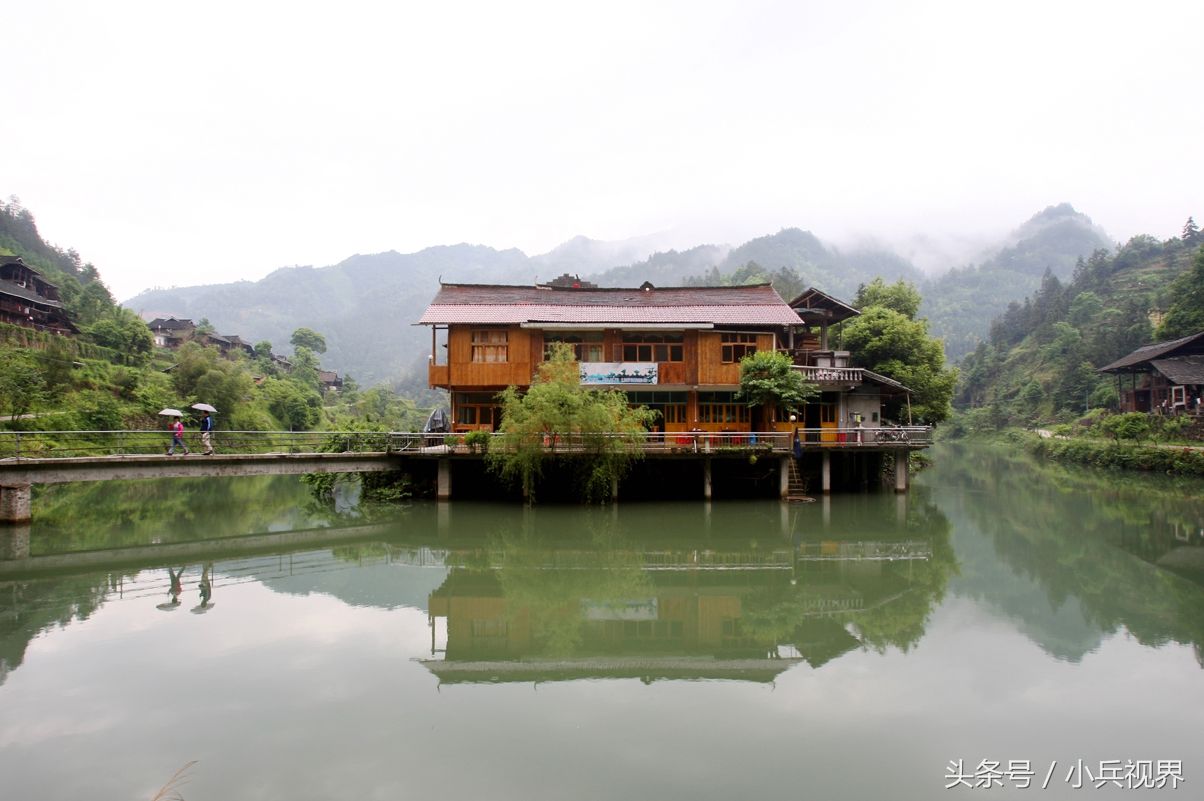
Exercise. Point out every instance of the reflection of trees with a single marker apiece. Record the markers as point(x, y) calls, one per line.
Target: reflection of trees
point(738, 586)
point(896, 598)
point(28, 608)
point(107, 514)
point(113, 514)
point(1088, 535)
point(552, 598)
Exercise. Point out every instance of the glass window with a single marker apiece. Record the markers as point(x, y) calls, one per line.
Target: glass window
point(490, 345)
point(643, 346)
point(587, 345)
point(737, 346)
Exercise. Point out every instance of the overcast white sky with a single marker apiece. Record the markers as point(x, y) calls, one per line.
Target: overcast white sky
point(188, 143)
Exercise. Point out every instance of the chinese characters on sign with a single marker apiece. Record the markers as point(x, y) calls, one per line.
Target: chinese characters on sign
point(618, 372)
point(1127, 774)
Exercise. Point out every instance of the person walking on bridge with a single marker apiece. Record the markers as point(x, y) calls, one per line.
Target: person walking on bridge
point(206, 433)
point(177, 438)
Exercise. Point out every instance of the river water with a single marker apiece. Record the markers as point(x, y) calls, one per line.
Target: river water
point(1005, 624)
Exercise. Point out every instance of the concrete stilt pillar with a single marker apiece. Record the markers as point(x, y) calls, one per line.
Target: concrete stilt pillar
point(706, 479)
point(826, 473)
point(444, 487)
point(901, 476)
point(14, 542)
point(614, 489)
point(14, 503)
point(784, 477)
point(900, 508)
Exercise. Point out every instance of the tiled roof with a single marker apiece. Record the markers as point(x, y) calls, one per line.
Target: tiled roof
point(15, 290)
point(1147, 353)
point(7, 260)
point(1181, 369)
point(169, 324)
point(757, 304)
point(815, 305)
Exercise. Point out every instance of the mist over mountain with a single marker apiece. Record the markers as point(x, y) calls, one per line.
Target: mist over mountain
point(366, 304)
point(961, 303)
point(582, 255)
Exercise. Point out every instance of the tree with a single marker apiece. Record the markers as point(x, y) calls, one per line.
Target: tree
point(1186, 314)
point(124, 331)
point(298, 408)
point(1191, 231)
point(309, 339)
point(305, 368)
point(889, 343)
point(202, 374)
point(605, 432)
point(900, 296)
point(21, 383)
point(768, 378)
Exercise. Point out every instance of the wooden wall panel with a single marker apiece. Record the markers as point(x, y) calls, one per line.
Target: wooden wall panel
point(465, 374)
point(671, 373)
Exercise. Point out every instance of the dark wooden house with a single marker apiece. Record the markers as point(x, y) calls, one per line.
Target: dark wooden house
point(1164, 377)
point(27, 299)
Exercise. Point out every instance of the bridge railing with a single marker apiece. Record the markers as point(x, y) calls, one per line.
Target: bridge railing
point(67, 444)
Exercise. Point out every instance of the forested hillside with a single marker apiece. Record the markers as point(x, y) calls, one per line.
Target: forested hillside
point(366, 304)
point(84, 296)
point(959, 303)
point(111, 377)
point(1039, 362)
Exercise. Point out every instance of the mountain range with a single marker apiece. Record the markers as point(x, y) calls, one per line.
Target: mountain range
point(365, 305)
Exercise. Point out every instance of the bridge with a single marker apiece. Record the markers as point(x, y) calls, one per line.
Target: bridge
point(55, 457)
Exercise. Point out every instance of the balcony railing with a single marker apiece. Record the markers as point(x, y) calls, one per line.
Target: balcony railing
point(831, 375)
point(780, 442)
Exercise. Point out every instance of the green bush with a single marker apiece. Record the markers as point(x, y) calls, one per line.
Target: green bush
point(1132, 425)
point(478, 441)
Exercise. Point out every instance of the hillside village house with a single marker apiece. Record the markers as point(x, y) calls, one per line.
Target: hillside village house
point(1164, 377)
point(676, 350)
point(27, 299)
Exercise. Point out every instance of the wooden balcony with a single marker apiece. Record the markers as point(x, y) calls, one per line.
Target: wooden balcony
point(437, 375)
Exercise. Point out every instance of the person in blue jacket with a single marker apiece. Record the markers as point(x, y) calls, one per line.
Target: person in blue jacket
point(206, 433)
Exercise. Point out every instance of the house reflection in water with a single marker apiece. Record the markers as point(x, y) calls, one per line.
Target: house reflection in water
point(688, 620)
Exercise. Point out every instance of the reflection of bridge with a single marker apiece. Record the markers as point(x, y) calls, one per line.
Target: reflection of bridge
point(15, 558)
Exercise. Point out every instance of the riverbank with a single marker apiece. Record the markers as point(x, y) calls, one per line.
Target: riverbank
point(1145, 457)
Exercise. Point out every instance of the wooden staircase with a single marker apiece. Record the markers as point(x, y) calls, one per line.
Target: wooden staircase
point(796, 488)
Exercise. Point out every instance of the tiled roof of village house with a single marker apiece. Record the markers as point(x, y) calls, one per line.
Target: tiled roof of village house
point(1181, 369)
point(24, 293)
point(756, 304)
point(17, 260)
point(1146, 353)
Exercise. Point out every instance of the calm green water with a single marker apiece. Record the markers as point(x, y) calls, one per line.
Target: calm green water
point(855, 648)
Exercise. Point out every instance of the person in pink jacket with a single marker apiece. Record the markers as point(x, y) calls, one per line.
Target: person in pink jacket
point(177, 438)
